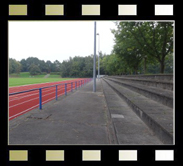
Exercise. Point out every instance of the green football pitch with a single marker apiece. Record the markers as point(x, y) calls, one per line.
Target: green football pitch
point(25, 81)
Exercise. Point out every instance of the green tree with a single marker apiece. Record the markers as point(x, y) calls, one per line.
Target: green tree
point(153, 39)
point(64, 69)
point(14, 66)
point(169, 63)
point(77, 67)
point(56, 66)
point(88, 66)
point(32, 60)
point(24, 65)
point(34, 70)
point(49, 65)
point(10, 66)
point(43, 66)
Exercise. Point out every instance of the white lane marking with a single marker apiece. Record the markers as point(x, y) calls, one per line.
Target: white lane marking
point(14, 97)
point(23, 111)
point(32, 99)
point(33, 85)
point(33, 107)
point(52, 88)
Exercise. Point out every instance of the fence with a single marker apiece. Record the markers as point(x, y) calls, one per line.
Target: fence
point(44, 94)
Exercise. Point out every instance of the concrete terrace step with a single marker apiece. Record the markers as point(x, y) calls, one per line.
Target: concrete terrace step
point(129, 128)
point(162, 77)
point(157, 116)
point(162, 96)
point(168, 85)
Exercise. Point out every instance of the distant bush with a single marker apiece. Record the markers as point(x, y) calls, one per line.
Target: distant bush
point(14, 75)
point(43, 73)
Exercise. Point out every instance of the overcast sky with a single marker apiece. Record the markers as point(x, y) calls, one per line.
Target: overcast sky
point(58, 40)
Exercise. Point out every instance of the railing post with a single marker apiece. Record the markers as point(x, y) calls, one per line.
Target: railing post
point(76, 85)
point(66, 89)
point(71, 86)
point(81, 83)
point(56, 92)
point(40, 98)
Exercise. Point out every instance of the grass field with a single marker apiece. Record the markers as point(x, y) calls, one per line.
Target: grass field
point(25, 81)
point(26, 75)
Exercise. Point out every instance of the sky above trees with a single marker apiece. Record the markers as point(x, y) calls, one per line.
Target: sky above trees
point(51, 40)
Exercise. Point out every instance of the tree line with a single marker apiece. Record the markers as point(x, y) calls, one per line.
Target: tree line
point(140, 48)
point(33, 65)
point(144, 43)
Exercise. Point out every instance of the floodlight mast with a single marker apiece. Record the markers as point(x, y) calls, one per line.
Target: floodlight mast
point(94, 60)
point(98, 55)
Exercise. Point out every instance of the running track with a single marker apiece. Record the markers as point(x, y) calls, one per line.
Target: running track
point(21, 103)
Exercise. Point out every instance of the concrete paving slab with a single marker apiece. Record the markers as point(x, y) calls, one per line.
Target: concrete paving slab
point(76, 119)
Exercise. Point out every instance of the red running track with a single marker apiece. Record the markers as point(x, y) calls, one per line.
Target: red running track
point(21, 103)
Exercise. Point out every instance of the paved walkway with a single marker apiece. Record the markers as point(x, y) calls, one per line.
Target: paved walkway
point(83, 117)
point(79, 118)
point(47, 75)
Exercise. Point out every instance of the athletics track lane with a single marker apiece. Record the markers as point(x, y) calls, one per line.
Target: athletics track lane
point(24, 102)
